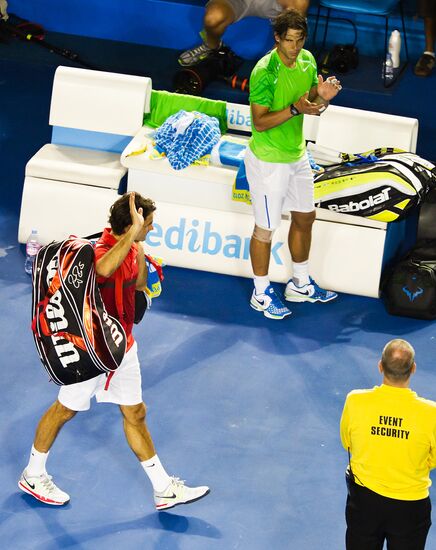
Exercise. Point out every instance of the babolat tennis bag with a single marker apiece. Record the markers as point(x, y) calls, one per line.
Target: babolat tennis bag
point(410, 287)
point(382, 184)
point(75, 337)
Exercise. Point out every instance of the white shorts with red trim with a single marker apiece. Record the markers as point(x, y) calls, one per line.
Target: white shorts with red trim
point(124, 387)
point(277, 188)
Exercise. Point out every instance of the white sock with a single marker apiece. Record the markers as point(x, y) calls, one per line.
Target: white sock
point(156, 473)
point(260, 283)
point(300, 273)
point(430, 53)
point(37, 462)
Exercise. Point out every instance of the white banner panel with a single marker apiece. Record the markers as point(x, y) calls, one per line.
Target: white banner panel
point(344, 258)
point(99, 101)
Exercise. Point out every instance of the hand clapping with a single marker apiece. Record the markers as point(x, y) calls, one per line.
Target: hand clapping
point(329, 88)
point(306, 107)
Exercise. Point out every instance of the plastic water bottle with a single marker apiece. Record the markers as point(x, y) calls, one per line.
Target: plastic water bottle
point(388, 68)
point(32, 247)
point(395, 48)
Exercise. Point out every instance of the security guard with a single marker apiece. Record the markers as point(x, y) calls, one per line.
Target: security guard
point(390, 435)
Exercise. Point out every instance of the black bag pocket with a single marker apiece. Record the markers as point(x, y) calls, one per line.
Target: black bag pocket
point(142, 303)
point(410, 289)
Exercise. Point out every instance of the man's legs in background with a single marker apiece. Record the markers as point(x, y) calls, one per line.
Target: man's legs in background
point(426, 63)
point(218, 16)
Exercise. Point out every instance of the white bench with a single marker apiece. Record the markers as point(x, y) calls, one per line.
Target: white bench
point(71, 183)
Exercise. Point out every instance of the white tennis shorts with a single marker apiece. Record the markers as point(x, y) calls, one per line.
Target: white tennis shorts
point(124, 387)
point(277, 188)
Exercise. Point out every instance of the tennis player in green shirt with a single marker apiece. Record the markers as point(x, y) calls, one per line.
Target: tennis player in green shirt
point(284, 86)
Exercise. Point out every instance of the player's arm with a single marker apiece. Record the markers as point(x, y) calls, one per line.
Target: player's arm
point(264, 119)
point(114, 257)
point(323, 92)
point(107, 264)
point(141, 281)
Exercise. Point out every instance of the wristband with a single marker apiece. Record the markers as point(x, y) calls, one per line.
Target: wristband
point(294, 110)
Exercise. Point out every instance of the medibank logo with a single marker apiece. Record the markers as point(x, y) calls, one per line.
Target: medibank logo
point(236, 117)
point(200, 237)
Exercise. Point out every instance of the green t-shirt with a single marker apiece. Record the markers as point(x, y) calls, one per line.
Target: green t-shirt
point(276, 86)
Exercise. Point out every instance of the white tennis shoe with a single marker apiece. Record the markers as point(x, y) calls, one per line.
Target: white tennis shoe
point(178, 493)
point(43, 489)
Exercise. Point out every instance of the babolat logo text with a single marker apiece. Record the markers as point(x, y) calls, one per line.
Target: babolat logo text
point(372, 200)
point(55, 313)
point(236, 117)
point(200, 238)
point(115, 333)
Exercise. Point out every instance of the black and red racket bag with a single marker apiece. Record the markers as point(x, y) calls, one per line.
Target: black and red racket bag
point(75, 337)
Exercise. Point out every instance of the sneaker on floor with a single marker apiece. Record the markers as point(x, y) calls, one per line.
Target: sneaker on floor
point(178, 493)
point(43, 489)
point(308, 293)
point(197, 54)
point(270, 304)
point(425, 65)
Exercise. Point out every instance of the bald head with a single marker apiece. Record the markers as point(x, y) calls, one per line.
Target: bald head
point(397, 360)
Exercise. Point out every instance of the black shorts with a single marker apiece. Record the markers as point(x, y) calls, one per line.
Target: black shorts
point(372, 519)
point(427, 8)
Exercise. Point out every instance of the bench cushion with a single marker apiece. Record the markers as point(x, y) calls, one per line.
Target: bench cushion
point(356, 131)
point(76, 165)
point(99, 101)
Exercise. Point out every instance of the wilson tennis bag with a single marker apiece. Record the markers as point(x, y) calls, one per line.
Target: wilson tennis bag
point(75, 337)
point(410, 287)
point(383, 184)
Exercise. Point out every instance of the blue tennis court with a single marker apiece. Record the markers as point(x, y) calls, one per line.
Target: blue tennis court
point(246, 405)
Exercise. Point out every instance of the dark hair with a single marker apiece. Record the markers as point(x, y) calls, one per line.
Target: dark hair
point(289, 19)
point(119, 217)
point(397, 360)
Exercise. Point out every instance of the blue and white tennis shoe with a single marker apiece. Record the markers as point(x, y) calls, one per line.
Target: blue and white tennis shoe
point(308, 293)
point(270, 304)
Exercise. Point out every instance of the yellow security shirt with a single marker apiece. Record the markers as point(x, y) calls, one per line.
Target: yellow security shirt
point(391, 434)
